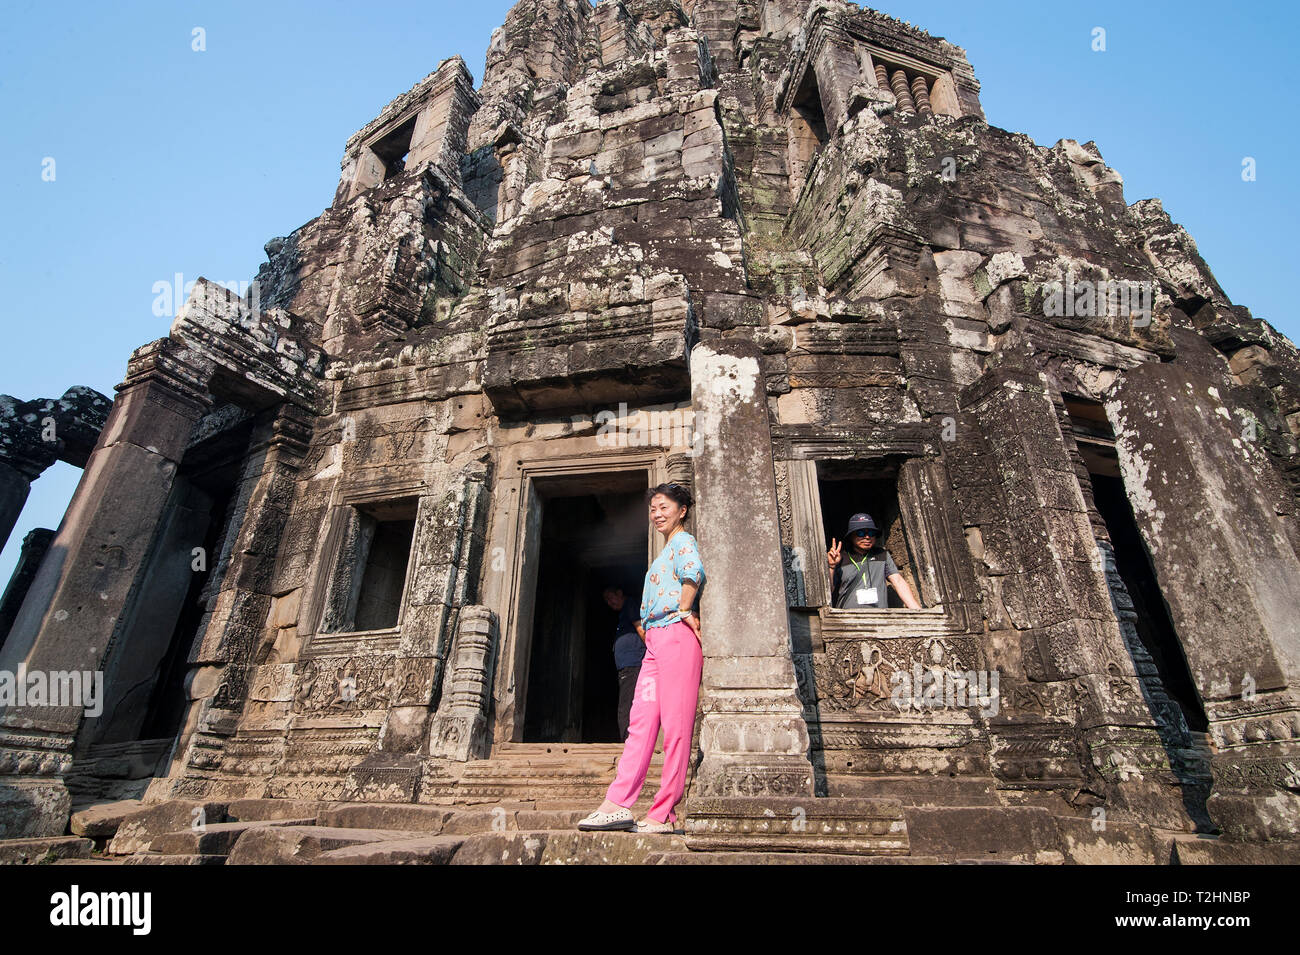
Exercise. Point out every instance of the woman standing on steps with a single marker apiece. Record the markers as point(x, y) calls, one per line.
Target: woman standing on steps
point(669, 684)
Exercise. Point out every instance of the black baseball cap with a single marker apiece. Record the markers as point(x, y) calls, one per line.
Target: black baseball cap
point(861, 522)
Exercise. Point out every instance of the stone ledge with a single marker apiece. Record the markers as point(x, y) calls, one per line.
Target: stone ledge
point(34, 851)
point(839, 825)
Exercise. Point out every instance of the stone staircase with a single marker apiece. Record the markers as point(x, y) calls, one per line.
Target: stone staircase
point(521, 806)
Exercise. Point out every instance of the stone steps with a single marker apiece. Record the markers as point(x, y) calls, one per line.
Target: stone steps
point(781, 858)
point(1203, 850)
point(90, 861)
point(215, 840)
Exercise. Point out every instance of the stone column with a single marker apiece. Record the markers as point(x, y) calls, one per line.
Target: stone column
point(1200, 495)
point(35, 545)
point(838, 71)
point(89, 576)
point(14, 488)
point(753, 736)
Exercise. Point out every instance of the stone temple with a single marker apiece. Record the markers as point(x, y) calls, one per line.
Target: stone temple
point(338, 549)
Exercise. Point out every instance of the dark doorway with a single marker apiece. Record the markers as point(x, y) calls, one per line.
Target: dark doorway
point(1169, 692)
point(593, 534)
point(211, 474)
point(1155, 629)
point(168, 702)
point(145, 701)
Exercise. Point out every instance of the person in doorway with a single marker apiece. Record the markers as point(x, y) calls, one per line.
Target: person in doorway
point(668, 685)
point(861, 584)
point(629, 649)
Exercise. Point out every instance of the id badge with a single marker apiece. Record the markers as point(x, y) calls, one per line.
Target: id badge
point(866, 595)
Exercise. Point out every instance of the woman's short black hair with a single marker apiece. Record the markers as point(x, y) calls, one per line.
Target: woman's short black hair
point(674, 492)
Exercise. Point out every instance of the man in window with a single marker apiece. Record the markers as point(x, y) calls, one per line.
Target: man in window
point(859, 576)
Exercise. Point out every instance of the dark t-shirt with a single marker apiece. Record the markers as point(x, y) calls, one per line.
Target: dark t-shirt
point(856, 576)
point(629, 648)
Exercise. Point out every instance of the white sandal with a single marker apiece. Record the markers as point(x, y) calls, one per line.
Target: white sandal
point(620, 821)
point(649, 825)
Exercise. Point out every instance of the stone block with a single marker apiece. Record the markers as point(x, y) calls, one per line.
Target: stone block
point(425, 850)
point(845, 825)
point(102, 820)
point(140, 829)
point(300, 845)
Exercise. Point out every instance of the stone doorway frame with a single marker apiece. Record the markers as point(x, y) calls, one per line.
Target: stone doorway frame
point(516, 540)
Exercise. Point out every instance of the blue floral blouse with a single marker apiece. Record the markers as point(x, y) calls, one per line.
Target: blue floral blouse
point(661, 598)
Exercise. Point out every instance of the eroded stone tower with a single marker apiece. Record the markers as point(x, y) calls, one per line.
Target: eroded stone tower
point(771, 249)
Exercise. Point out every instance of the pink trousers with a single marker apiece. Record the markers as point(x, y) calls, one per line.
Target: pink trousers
point(666, 692)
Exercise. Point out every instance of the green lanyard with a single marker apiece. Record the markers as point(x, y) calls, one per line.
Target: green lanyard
point(856, 566)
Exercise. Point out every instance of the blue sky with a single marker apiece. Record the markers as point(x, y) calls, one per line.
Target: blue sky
point(170, 160)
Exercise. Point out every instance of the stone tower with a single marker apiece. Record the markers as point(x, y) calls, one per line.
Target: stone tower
point(344, 540)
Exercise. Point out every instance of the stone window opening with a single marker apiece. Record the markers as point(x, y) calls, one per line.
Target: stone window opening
point(911, 90)
point(917, 88)
point(808, 132)
point(845, 488)
point(393, 149)
point(810, 116)
point(368, 585)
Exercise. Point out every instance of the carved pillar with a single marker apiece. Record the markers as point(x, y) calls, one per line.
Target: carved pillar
point(460, 729)
point(100, 549)
point(898, 82)
point(753, 736)
point(1230, 579)
point(921, 94)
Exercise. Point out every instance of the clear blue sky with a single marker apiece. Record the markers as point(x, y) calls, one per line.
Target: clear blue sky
point(171, 160)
